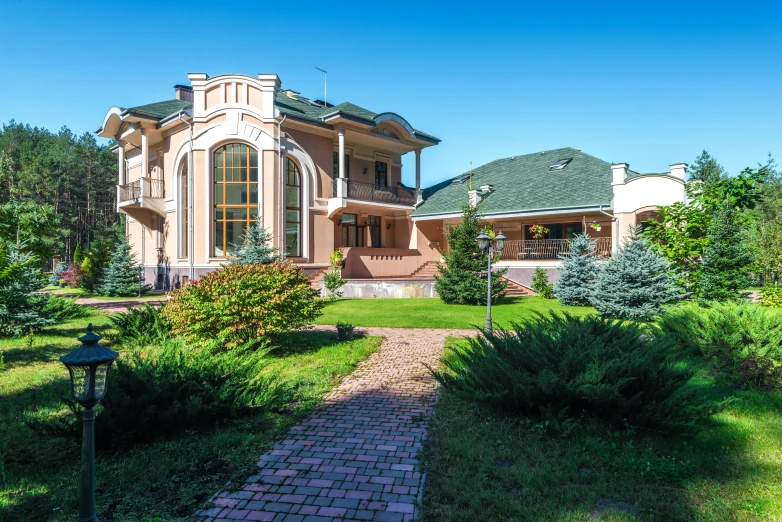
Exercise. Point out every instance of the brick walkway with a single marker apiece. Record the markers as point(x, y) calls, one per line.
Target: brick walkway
point(356, 457)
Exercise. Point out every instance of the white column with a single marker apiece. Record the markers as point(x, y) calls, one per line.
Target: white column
point(122, 179)
point(418, 194)
point(342, 186)
point(144, 161)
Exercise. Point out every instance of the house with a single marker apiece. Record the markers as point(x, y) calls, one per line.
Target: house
point(194, 171)
point(563, 191)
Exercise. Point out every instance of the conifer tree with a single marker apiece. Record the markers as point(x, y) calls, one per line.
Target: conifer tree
point(577, 272)
point(77, 255)
point(121, 278)
point(255, 248)
point(460, 280)
point(635, 283)
point(727, 258)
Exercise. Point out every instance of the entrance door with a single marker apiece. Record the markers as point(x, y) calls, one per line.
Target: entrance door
point(352, 233)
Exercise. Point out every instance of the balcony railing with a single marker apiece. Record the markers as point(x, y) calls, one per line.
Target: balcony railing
point(142, 188)
point(548, 248)
point(372, 192)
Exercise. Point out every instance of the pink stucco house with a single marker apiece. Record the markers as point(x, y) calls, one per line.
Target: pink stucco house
point(227, 150)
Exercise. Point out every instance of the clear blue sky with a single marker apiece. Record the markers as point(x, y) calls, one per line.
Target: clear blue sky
point(648, 85)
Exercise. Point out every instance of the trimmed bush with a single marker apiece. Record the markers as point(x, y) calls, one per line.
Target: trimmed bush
point(561, 368)
point(771, 296)
point(62, 309)
point(139, 326)
point(743, 341)
point(541, 285)
point(243, 303)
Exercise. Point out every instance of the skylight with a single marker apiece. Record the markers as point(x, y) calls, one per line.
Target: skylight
point(560, 164)
point(460, 179)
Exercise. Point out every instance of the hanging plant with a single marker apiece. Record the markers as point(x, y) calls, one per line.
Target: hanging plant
point(538, 231)
point(597, 226)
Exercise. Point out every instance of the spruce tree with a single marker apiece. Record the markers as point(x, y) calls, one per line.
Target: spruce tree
point(726, 259)
point(460, 280)
point(77, 255)
point(635, 283)
point(255, 248)
point(577, 272)
point(121, 277)
point(706, 169)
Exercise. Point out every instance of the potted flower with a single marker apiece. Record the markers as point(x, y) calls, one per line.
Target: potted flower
point(62, 283)
point(596, 226)
point(344, 331)
point(538, 231)
point(337, 260)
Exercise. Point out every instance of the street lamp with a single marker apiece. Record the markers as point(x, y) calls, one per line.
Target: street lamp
point(89, 366)
point(140, 278)
point(484, 243)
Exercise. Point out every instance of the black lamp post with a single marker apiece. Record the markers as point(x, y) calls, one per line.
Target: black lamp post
point(89, 366)
point(484, 243)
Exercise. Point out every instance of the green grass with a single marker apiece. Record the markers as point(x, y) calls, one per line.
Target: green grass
point(168, 479)
point(81, 292)
point(433, 313)
point(484, 465)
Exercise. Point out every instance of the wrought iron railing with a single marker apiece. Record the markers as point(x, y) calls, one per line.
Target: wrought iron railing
point(144, 187)
point(548, 248)
point(372, 192)
point(130, 191)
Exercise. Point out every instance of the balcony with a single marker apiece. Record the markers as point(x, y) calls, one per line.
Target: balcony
point(548, 249)
point(142, 199)
point(347, 189)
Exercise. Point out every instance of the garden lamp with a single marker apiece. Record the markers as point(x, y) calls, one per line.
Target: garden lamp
point(499, 241)
point(89, 366)
point(483, 241)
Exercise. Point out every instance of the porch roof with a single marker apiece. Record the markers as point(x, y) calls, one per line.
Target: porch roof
point(526, 183)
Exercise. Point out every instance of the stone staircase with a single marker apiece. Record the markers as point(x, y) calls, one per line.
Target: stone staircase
point(317, 278)
point(514, 289)
point(425, 271)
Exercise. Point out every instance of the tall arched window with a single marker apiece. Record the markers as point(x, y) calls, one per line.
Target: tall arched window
point(235, 195)
point(292, 210)
point(184, 213)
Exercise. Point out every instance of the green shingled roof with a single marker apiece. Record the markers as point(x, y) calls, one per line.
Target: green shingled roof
point(525, 183)
point(162, 109)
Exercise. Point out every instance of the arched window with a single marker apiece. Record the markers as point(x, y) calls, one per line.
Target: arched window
point(292, 210)
point(235, 195)
point(184, 213)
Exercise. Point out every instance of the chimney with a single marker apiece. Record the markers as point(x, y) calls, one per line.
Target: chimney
point(619, 171)
point(184, 93)
point(474, 198)
point(679, 170)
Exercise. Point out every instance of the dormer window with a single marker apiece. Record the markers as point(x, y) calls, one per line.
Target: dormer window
point(560, 164)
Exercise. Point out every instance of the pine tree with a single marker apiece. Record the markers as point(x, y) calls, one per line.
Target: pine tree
point(460, 280)
point(255, 248)
point(577, 272)
point(541, 285)
point(706, 169)
point(121, 278)
point(726, 259)
point(635, 283)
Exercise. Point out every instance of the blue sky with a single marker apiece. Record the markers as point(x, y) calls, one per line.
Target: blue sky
point(649, 84)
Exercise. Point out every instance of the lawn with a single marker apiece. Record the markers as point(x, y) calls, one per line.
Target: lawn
point(483, 465)
point(81, 292)
point(165, 480)
point(433, 313)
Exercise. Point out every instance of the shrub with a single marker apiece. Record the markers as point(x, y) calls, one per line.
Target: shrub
point(333, 282)
point(577, 272)
point(179, 386)
point(73, 275)
point(21, 305)
point(771, 296)
point(54, 279)
point(561, 368)
point(242, 303)
point(541, 285)
point(742, 341)
point(635, 283)
point(462, 279)
point(61, 309)
point(139, 326)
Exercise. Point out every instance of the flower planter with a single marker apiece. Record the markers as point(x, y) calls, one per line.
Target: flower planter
point(344, 332)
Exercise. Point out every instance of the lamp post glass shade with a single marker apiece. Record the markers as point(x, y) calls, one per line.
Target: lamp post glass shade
point(483, 241)
point(89, 365)
point(500, 241)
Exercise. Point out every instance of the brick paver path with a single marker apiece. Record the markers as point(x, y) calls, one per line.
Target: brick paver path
point(356, 457)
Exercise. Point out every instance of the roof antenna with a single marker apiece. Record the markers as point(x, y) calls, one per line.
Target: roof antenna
point(471, 175)
point(325, 74)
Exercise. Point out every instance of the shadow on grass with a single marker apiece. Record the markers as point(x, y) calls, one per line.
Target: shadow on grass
point(303, 342)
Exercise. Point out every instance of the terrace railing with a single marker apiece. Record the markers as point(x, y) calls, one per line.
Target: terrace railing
point(372, 192)
point(548, 249)
point(142, 188)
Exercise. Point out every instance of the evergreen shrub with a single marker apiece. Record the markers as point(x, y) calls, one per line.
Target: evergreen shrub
point(121, 277)
point(54, 279)
point(771, 296)
point(60, 309)
point(21, 304)
point(243, 303)
point(541, 285)
point(742, 341)
point(139, 326)
point(577, 272)
point(560, 369)
point(727, 258)
point(255, 247)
